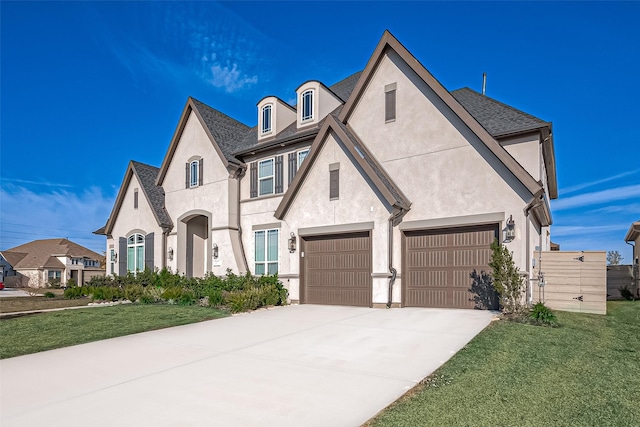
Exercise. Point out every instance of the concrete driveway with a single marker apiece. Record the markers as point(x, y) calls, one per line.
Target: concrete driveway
point(302, 365)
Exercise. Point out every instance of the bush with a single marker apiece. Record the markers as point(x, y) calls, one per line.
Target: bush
point(541, 314)
point(133, 292)
point(105, 293)
point(506, 279)
point(49, 295)
point(626, 293)
point(73, 292)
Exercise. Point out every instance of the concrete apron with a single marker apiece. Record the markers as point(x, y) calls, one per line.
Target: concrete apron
point(299, 365)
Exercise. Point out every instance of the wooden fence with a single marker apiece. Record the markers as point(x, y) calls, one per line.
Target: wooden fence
point(619, 276)
point(573, 281)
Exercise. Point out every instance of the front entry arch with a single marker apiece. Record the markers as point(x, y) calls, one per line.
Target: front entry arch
point(194, 244)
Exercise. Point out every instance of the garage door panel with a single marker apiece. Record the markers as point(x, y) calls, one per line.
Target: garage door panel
point(438, 265)
point(337, 270)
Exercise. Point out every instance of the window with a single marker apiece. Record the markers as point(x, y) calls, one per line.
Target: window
point(266, 118)
point(55, 274)
point(266, 251)
point(265, 177)
point(135, 198)
point(307, 105)
point(112, 257)
point(193, 174)
point(390, 102)
point(301, 156)
point(135, 253)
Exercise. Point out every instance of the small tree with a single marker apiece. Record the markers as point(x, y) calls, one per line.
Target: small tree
point(506, 279)
point(614, 258)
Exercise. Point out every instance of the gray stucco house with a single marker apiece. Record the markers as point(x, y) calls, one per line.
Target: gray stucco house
point(384, 188)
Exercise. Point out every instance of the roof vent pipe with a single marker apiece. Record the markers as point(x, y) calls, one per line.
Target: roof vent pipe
point(484, 83)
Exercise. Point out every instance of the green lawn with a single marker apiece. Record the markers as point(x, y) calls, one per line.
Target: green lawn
point(46, 331)
point(584, 373)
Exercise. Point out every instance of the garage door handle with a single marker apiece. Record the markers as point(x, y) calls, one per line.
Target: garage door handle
point(578, 298)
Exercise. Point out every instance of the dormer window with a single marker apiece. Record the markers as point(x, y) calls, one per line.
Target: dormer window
point(266, 118)
point(306, 102)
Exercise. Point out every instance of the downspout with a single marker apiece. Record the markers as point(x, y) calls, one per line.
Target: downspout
point(397, 214)
point(634, 268)
point(528, 264)
point(244, 256)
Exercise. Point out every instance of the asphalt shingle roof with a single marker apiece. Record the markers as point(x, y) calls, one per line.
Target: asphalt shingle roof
point(497, 118)
point(41, 253)
point(228, 132)
point(147, 175)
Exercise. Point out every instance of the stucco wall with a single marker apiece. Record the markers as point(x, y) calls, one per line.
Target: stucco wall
point(443, 168)
point(129, 220)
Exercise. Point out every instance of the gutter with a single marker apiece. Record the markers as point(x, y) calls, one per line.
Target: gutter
point(394, 220)
point(244, 256)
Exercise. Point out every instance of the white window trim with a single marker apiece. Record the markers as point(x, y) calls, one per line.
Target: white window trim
point(299, 163)
point(265, 262)
point(309, 118)
point(135, 245)
point(269, 107)
point(193, 178)
point(272, 176)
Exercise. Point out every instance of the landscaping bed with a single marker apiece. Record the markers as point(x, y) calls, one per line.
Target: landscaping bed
point(584, 372)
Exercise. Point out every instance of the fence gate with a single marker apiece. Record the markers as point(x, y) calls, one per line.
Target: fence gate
point(573, 281)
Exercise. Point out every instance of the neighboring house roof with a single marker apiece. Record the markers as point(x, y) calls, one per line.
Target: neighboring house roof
point(388, 41)
point(147, 176)
point(42, 254)
point(633, 233)
point(361, 156)
point(13, 257)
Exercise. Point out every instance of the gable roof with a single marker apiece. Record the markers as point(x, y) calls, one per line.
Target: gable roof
point(382, 182)
point(147, 176)
point(42, 253)
point(224, 132)
point(389, 42)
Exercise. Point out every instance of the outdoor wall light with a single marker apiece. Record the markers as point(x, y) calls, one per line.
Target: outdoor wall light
point(510, 232)
point(292, 243)
point(215, 251)
point(170, 254)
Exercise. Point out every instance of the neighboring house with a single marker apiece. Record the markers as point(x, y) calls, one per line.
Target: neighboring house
point(382, 189)
point(42, 262)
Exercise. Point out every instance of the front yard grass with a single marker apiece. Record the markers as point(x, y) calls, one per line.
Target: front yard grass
point(584, 373)
point(46, 331)
point(35, 303)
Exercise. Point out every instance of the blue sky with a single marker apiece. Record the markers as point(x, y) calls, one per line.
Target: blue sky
point(85, 87)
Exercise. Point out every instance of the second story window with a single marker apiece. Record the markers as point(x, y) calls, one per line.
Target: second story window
point(265, 177)
point(306, 103)
point(301, 156)
point(193, 178)
point(266, 118)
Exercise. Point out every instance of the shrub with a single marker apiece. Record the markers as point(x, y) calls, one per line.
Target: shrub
point(105, 293)
point(73, 292)
point(506, 279)
point(133, 292)
point(49, 295)
point(626, 293)
point(541, 314)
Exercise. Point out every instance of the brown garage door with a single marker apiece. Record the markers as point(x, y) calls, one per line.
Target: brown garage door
point(336, 270)
point(437, 265)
